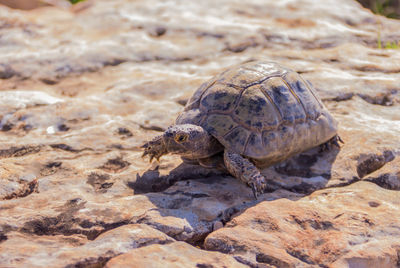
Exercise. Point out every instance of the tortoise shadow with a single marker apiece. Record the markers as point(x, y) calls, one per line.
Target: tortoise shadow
point(303, 173)
point(299, 176)
point(306, 172)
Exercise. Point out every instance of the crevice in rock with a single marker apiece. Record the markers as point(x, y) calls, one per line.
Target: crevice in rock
point(242, 46)
point(300, 256)
point(50, 168)
point(383, 99)
point(341, 97)
point(124, 132)
point(191, 195)
point(3, 237)
point(27, 189)
point(102, 260)
point(65, 147)
point(6, 72)
point(368, 163)
point(345, 183)
point(189, 236)
point(242, 260)
point(99, 182)
point(152, 127)
point(372, 68)
point(271, 260)
point(115, 165)
point(63, 224)
point(66, 224)
point(19, 151)
point(92, 262)
point(390, 181)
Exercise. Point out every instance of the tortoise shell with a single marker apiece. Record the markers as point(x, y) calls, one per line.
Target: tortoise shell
point(261, 110)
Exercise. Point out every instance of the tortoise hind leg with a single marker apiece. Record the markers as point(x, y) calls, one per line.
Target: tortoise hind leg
point(332, 142)
point(246, 171)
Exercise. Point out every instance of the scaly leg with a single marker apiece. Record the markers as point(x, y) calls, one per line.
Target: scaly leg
point(328, 145)
point(246, 171)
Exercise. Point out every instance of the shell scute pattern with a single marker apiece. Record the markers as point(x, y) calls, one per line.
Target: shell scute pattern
point(283, 99)
point(194, 101)
point(256, 112)
point(261, 110)
point(306, 98)
point(219, 97)
point(240, 78)
point(193, 116)
point(237, 138)
point(255, 146)
point(219, 124)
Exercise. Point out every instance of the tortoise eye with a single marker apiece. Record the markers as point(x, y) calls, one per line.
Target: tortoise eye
point(179, 138)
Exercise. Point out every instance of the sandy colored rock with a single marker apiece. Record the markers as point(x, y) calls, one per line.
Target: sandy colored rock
point(177, 254)
point(83, 87)
point(337, 227)
point(76, 250)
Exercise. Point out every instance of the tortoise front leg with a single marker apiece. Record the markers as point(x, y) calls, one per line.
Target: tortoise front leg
point(245, 171)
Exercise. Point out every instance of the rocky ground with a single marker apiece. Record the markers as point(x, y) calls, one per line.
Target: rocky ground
point(82, 88)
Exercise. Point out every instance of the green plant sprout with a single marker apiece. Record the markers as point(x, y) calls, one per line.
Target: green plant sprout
point(75, 1)
point(380, 8)
point(392, 45)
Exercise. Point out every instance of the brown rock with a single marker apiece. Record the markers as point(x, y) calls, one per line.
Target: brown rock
point(177, 254)
point(337, 227)
point(75, 250)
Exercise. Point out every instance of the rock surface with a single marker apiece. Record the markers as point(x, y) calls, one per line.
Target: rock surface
point(336, 227)
point(178, 254)
point(83, 87)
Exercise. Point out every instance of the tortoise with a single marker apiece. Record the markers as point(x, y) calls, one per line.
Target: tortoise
point(250, 116)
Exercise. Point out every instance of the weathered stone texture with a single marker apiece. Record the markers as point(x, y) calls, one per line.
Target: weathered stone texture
point(83, 87)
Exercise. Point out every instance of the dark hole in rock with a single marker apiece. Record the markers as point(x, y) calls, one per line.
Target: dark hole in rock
point(341, 97)
point(3, 237)
point(115, 165)
point(7, 127)
point(204, 265)
point(384, 99)
point(374, 204)
point(160, 30)
point(19, 151)
point(64, 147)
point(268, 259)
point(53, 164)
point(63, 127)
point(124, 131)
point(100, 182)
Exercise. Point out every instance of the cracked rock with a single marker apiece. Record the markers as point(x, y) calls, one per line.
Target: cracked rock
point(84, 86)
point(334, 227)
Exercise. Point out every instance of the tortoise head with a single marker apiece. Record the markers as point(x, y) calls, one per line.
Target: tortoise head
point(189, 141)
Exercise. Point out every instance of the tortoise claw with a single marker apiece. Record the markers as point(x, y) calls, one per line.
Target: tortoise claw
point(154, 148)
point(328, 145)
point(254, 189)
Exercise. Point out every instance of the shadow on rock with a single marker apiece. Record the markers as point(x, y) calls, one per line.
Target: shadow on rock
point(192, 201)
point(153, 181)
point(304, 173)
